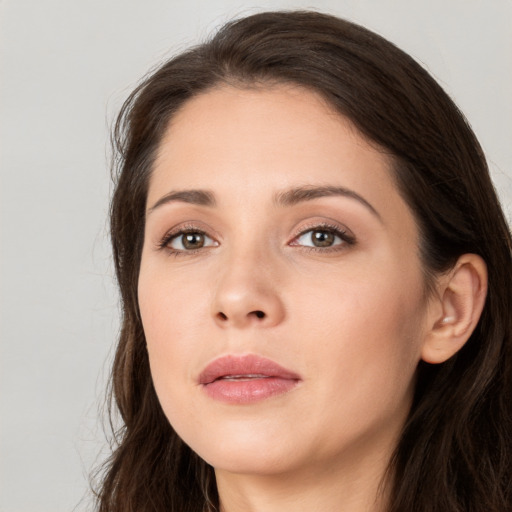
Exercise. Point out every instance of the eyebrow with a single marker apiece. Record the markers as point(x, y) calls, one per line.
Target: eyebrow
point(288, 197)
point(199, 197)
point(307, 193)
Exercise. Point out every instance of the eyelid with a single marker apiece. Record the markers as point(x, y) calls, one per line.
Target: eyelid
point(183, 229)
point(339, 230)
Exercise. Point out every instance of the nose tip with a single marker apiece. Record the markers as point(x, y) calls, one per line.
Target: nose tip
point(243, 300)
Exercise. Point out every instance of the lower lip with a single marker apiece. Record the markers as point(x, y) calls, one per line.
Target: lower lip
point(249, 390)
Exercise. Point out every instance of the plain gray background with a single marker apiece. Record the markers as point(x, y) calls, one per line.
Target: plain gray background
point(66, 67)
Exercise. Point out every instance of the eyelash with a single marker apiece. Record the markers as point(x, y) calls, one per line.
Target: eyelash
point(173, 234)
point(346, 237)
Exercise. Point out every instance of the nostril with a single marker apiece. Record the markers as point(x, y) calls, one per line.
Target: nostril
point(257, 313)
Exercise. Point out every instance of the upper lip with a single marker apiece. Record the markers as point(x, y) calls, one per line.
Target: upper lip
point(249, 365)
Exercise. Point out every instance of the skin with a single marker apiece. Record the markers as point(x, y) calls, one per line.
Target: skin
point(350, 319)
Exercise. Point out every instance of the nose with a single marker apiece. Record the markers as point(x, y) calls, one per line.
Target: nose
point(248, 294)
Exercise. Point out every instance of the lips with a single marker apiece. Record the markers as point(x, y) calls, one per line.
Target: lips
point(246, 379)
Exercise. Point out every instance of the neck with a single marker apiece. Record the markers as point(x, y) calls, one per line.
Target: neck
point(358, 487)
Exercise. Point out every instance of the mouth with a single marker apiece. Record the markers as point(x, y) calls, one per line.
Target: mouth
point(246, 379)
point(243, 377)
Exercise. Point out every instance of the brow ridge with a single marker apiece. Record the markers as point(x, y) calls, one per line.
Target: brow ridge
point(198, 197)
point(285, 198)
point(297, 195)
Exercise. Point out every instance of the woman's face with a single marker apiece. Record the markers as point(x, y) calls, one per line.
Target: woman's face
point(280, 287)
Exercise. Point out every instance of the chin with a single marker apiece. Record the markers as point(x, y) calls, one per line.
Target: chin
point(245, 450)
point(249, 461)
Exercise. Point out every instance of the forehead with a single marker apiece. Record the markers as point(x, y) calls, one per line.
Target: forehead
point(245, 142)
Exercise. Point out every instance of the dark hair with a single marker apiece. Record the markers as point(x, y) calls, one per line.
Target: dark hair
point(455, 450)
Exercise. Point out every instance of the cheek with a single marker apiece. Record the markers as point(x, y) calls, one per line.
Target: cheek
point(172, 324)
point(171, 306)
point(365, 337)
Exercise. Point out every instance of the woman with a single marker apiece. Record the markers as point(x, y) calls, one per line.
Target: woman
point(315, 274)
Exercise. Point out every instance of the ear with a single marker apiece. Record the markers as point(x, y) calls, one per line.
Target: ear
point(457, 309)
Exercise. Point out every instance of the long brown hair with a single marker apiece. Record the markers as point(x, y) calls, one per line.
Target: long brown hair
point(455, 452)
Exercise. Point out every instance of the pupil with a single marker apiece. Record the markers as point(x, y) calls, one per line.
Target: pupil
point(193, 240)
point(322, 238)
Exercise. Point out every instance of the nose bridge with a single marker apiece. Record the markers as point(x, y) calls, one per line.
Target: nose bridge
point(247, 290)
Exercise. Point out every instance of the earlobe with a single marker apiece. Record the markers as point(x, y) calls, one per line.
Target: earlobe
point(461, 296)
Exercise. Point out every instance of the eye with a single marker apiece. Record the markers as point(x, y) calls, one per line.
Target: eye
point(189, 240)
point(323, 238)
